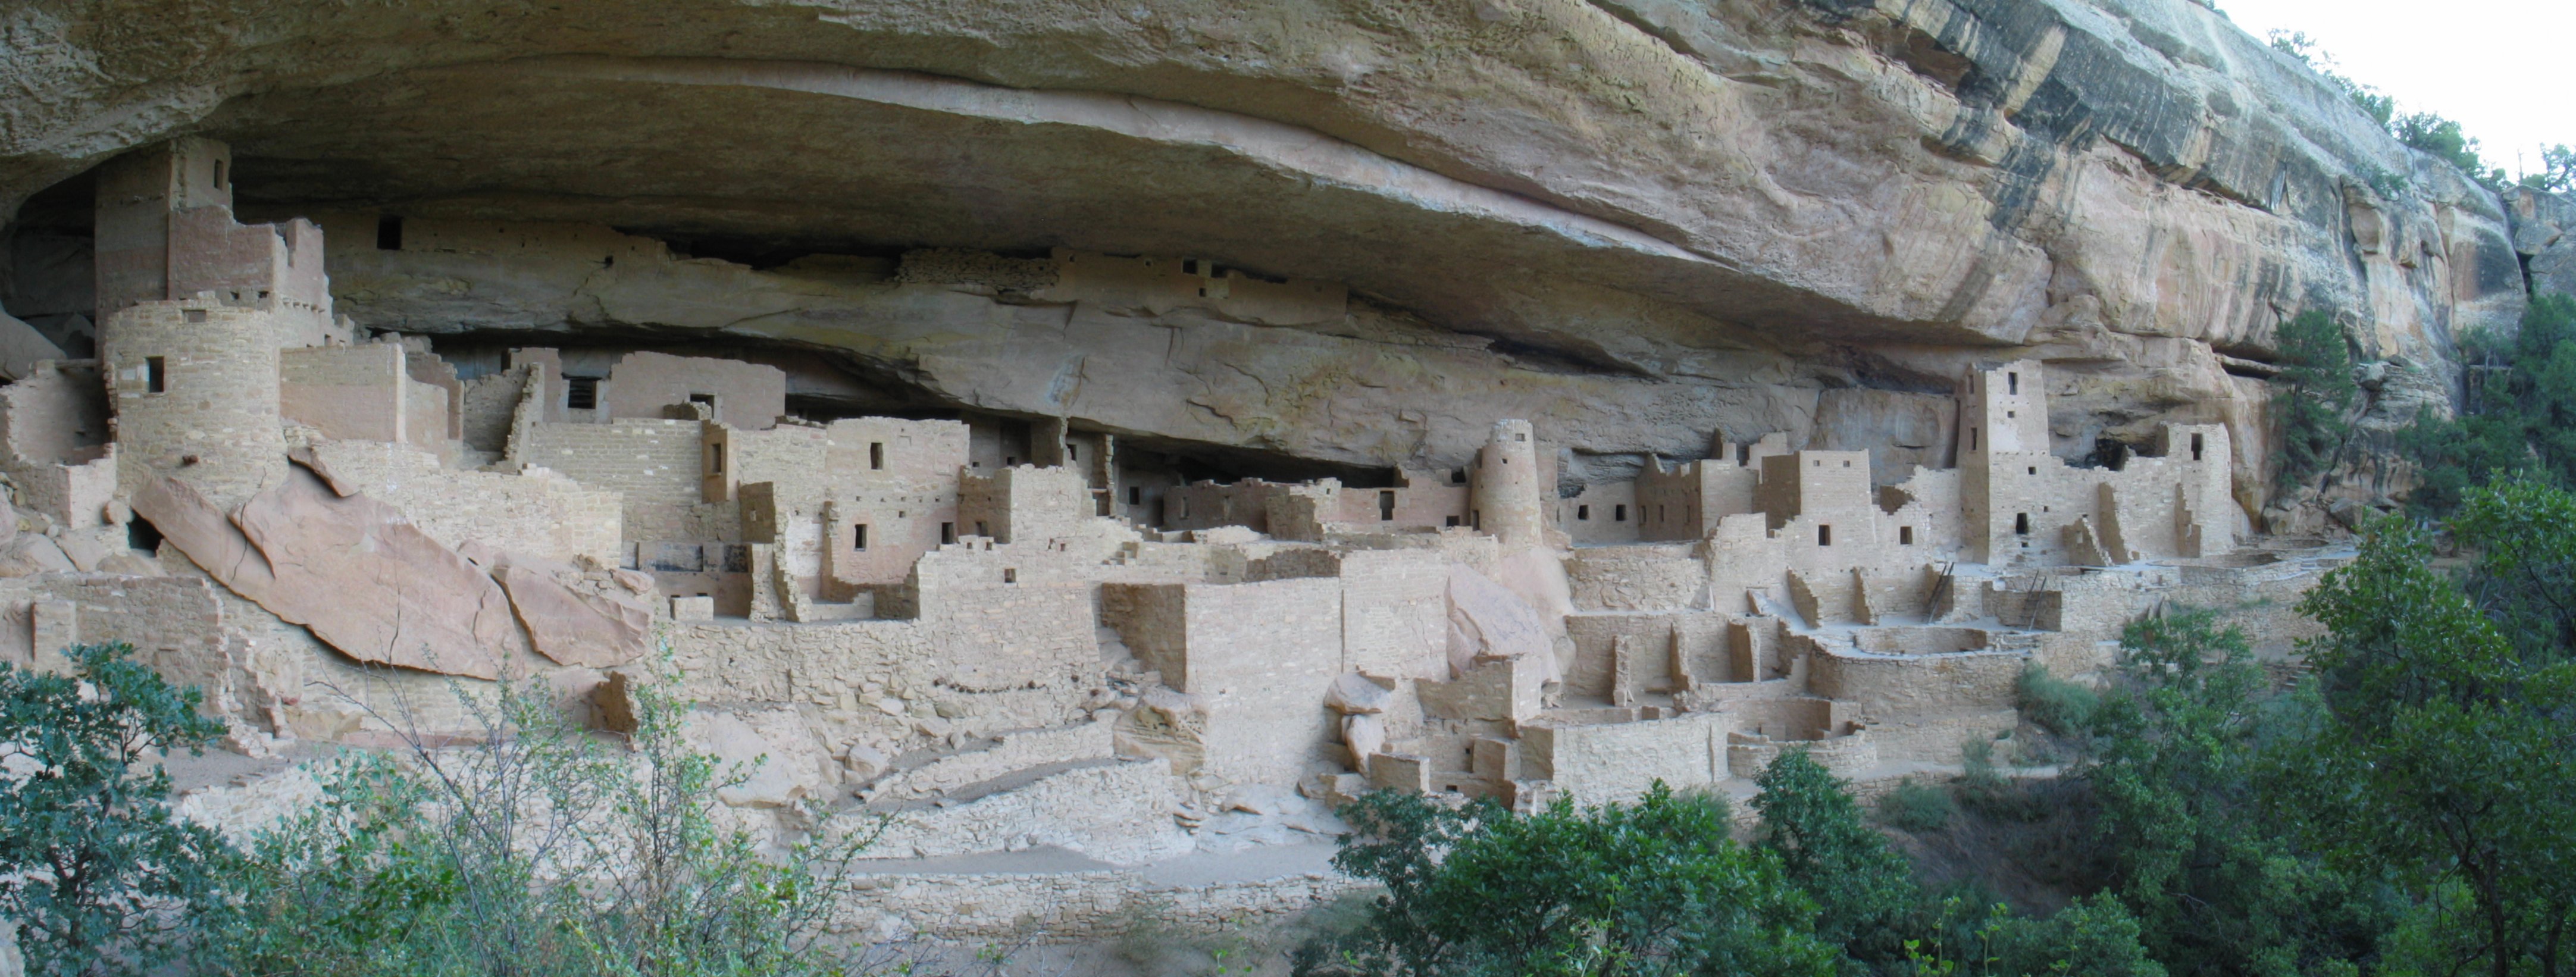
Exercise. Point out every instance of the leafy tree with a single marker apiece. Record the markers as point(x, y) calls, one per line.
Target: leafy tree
point(1864, 889)
point(100, 877)
point(2441, 138)
point(1655, 887)
point(2214, 887)
point(2313, 395)
point(2521, 412)
point(2557, 171)
point(2440, 757)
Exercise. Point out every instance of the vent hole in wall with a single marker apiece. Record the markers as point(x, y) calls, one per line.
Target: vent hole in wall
point(141, 534)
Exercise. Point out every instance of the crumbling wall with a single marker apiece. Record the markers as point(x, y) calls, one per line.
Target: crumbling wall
point(648, 385)
point(54, 422)
point(538, 512)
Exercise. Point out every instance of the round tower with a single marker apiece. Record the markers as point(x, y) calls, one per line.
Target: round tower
point(1506, 497)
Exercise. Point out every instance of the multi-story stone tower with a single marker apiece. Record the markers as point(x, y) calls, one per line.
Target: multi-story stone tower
point(1506, 494)
point(194, 310)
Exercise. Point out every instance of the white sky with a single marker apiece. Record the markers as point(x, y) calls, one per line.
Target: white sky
point(2500, 67)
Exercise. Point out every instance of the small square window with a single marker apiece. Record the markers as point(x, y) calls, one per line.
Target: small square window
point(1010, 575)
point(1583, 513)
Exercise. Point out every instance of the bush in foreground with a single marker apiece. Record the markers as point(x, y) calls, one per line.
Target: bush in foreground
point(98, 875)
point(1651, 888)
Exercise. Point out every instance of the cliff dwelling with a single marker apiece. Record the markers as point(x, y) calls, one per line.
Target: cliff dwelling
point(1061, 641)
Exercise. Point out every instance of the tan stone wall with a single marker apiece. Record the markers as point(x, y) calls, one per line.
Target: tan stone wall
point(654, 466)
point(1618, 761)
point(1605, 513)
point(1023, 502)
point(1882, 689)
point(1395, 613)
point(1262, 655)
point(352, 392)
point(1637, 578)
point(538, 512)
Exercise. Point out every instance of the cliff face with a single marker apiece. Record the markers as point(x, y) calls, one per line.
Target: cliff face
point(1637, 222)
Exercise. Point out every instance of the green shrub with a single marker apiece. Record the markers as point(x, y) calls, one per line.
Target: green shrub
point(2520, 414)
point(1982, 786)
point(2055, 704)
point(1916, 807)
point(1650, 888)
point(1863, 889)
point(2312, 397)
point(541, 851)
point(2093, 937)
point(97, 874)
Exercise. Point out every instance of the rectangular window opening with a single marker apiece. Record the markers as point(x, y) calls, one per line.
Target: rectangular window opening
point(947, 533)
point(581, 393)
point(1583, 513)
point(2021, 524)
point(1972, 439)
point(980, 530)
point(1452, 522)
point(2195, 447)
point(156, 376)
point(389, 233)
point(1386, 507)
point(1135, 495)
point(2012, 383)
point(859, 536)
point(1073, 452)
point(1010, 575)
point(876, 455)
point(1618, 513)
point(1824, 535)
point(1904, 535)
point(1743, 455)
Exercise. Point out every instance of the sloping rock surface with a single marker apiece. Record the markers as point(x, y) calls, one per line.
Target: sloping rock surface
point(351, 569)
